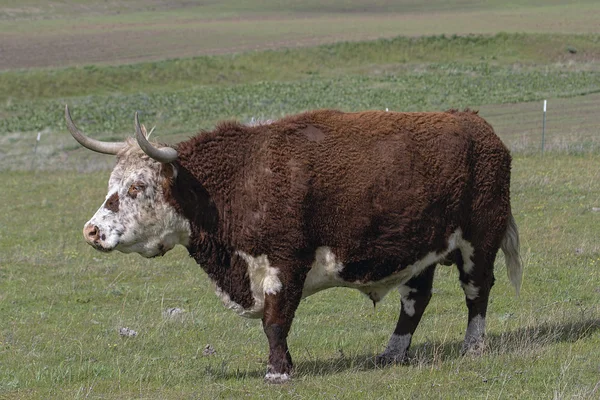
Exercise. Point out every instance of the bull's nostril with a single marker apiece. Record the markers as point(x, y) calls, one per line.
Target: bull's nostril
point(91, 233)
point(103, 237)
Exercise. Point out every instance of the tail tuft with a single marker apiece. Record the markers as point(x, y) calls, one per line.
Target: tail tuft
point(511, 248)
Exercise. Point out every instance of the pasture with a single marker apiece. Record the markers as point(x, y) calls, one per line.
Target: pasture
point(62, 303)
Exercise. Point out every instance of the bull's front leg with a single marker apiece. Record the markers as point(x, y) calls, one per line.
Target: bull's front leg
point(279, 312)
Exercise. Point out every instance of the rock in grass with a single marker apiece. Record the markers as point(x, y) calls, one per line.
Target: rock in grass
point(208, 350)
point(173, 312)
point(126, 332)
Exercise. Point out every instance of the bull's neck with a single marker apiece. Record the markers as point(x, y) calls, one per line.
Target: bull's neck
point(214, 161)
point(206, 177)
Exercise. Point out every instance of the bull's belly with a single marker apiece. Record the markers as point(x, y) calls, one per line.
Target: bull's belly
point(326, 272)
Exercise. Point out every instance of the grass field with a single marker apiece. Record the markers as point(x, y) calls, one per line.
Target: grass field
point(62, 303)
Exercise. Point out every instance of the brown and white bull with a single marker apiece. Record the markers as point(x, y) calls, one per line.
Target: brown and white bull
point(274, 213)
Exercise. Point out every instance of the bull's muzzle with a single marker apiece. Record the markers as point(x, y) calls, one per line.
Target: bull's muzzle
point(91, 234)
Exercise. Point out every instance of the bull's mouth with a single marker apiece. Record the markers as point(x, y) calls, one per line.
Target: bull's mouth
point(162, 250)
point(139, 248)
point(100, 248)
point(100, 240)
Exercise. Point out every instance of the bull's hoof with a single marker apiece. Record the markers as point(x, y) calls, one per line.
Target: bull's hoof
point(473, 348)
point(277, 378)
point(385, 359)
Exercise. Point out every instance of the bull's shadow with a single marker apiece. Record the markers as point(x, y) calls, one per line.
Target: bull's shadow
point(520, 340)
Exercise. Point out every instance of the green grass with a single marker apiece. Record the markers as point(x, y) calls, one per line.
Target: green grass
point(571, 125)
point(61, 304)
point(400, 74)
point(371, 58)
point(434, 87)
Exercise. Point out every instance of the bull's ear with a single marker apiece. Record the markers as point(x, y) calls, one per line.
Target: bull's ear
point(169, 174)
point(169, 171)
point(163, 154)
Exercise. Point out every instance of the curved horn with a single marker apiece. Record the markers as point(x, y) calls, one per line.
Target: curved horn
point(89, 143)
point(164, 155)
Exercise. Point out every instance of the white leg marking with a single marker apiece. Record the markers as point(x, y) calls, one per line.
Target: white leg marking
point(471, 291)
point(273, 377)
point(405, 290)
point(466, 250)
point(408, 305)
point(474, 334)
point(396, 348)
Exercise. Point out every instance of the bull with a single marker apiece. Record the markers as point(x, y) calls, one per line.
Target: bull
point(277, 212)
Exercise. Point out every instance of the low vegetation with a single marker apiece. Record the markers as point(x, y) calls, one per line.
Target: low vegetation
point(62, 304)
point(365, 58)
point(429, 73)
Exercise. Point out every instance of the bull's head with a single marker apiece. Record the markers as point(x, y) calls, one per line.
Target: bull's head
point(136, 215)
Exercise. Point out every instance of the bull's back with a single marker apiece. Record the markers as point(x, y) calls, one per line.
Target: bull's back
point(379, 179)
point(372, 180)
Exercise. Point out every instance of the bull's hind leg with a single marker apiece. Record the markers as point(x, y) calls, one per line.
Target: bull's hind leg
point(476, 274)
point(414, 295)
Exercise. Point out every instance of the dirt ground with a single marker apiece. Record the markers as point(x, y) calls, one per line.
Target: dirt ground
point(110, 39)
point(124, 46)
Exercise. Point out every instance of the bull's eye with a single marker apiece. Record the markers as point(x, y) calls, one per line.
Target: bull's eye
point(135, 188)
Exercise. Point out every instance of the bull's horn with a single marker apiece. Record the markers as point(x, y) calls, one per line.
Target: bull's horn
point(89, 143)
point(164, 154)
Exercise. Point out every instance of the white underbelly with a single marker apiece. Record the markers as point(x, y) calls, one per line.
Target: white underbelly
point(325, 273)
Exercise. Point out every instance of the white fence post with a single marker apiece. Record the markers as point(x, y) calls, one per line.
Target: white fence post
point(544, 127)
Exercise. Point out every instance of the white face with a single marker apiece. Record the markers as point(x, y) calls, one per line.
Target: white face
point(135, 217)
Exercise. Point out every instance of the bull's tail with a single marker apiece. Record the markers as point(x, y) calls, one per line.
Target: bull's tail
point(510, 247)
